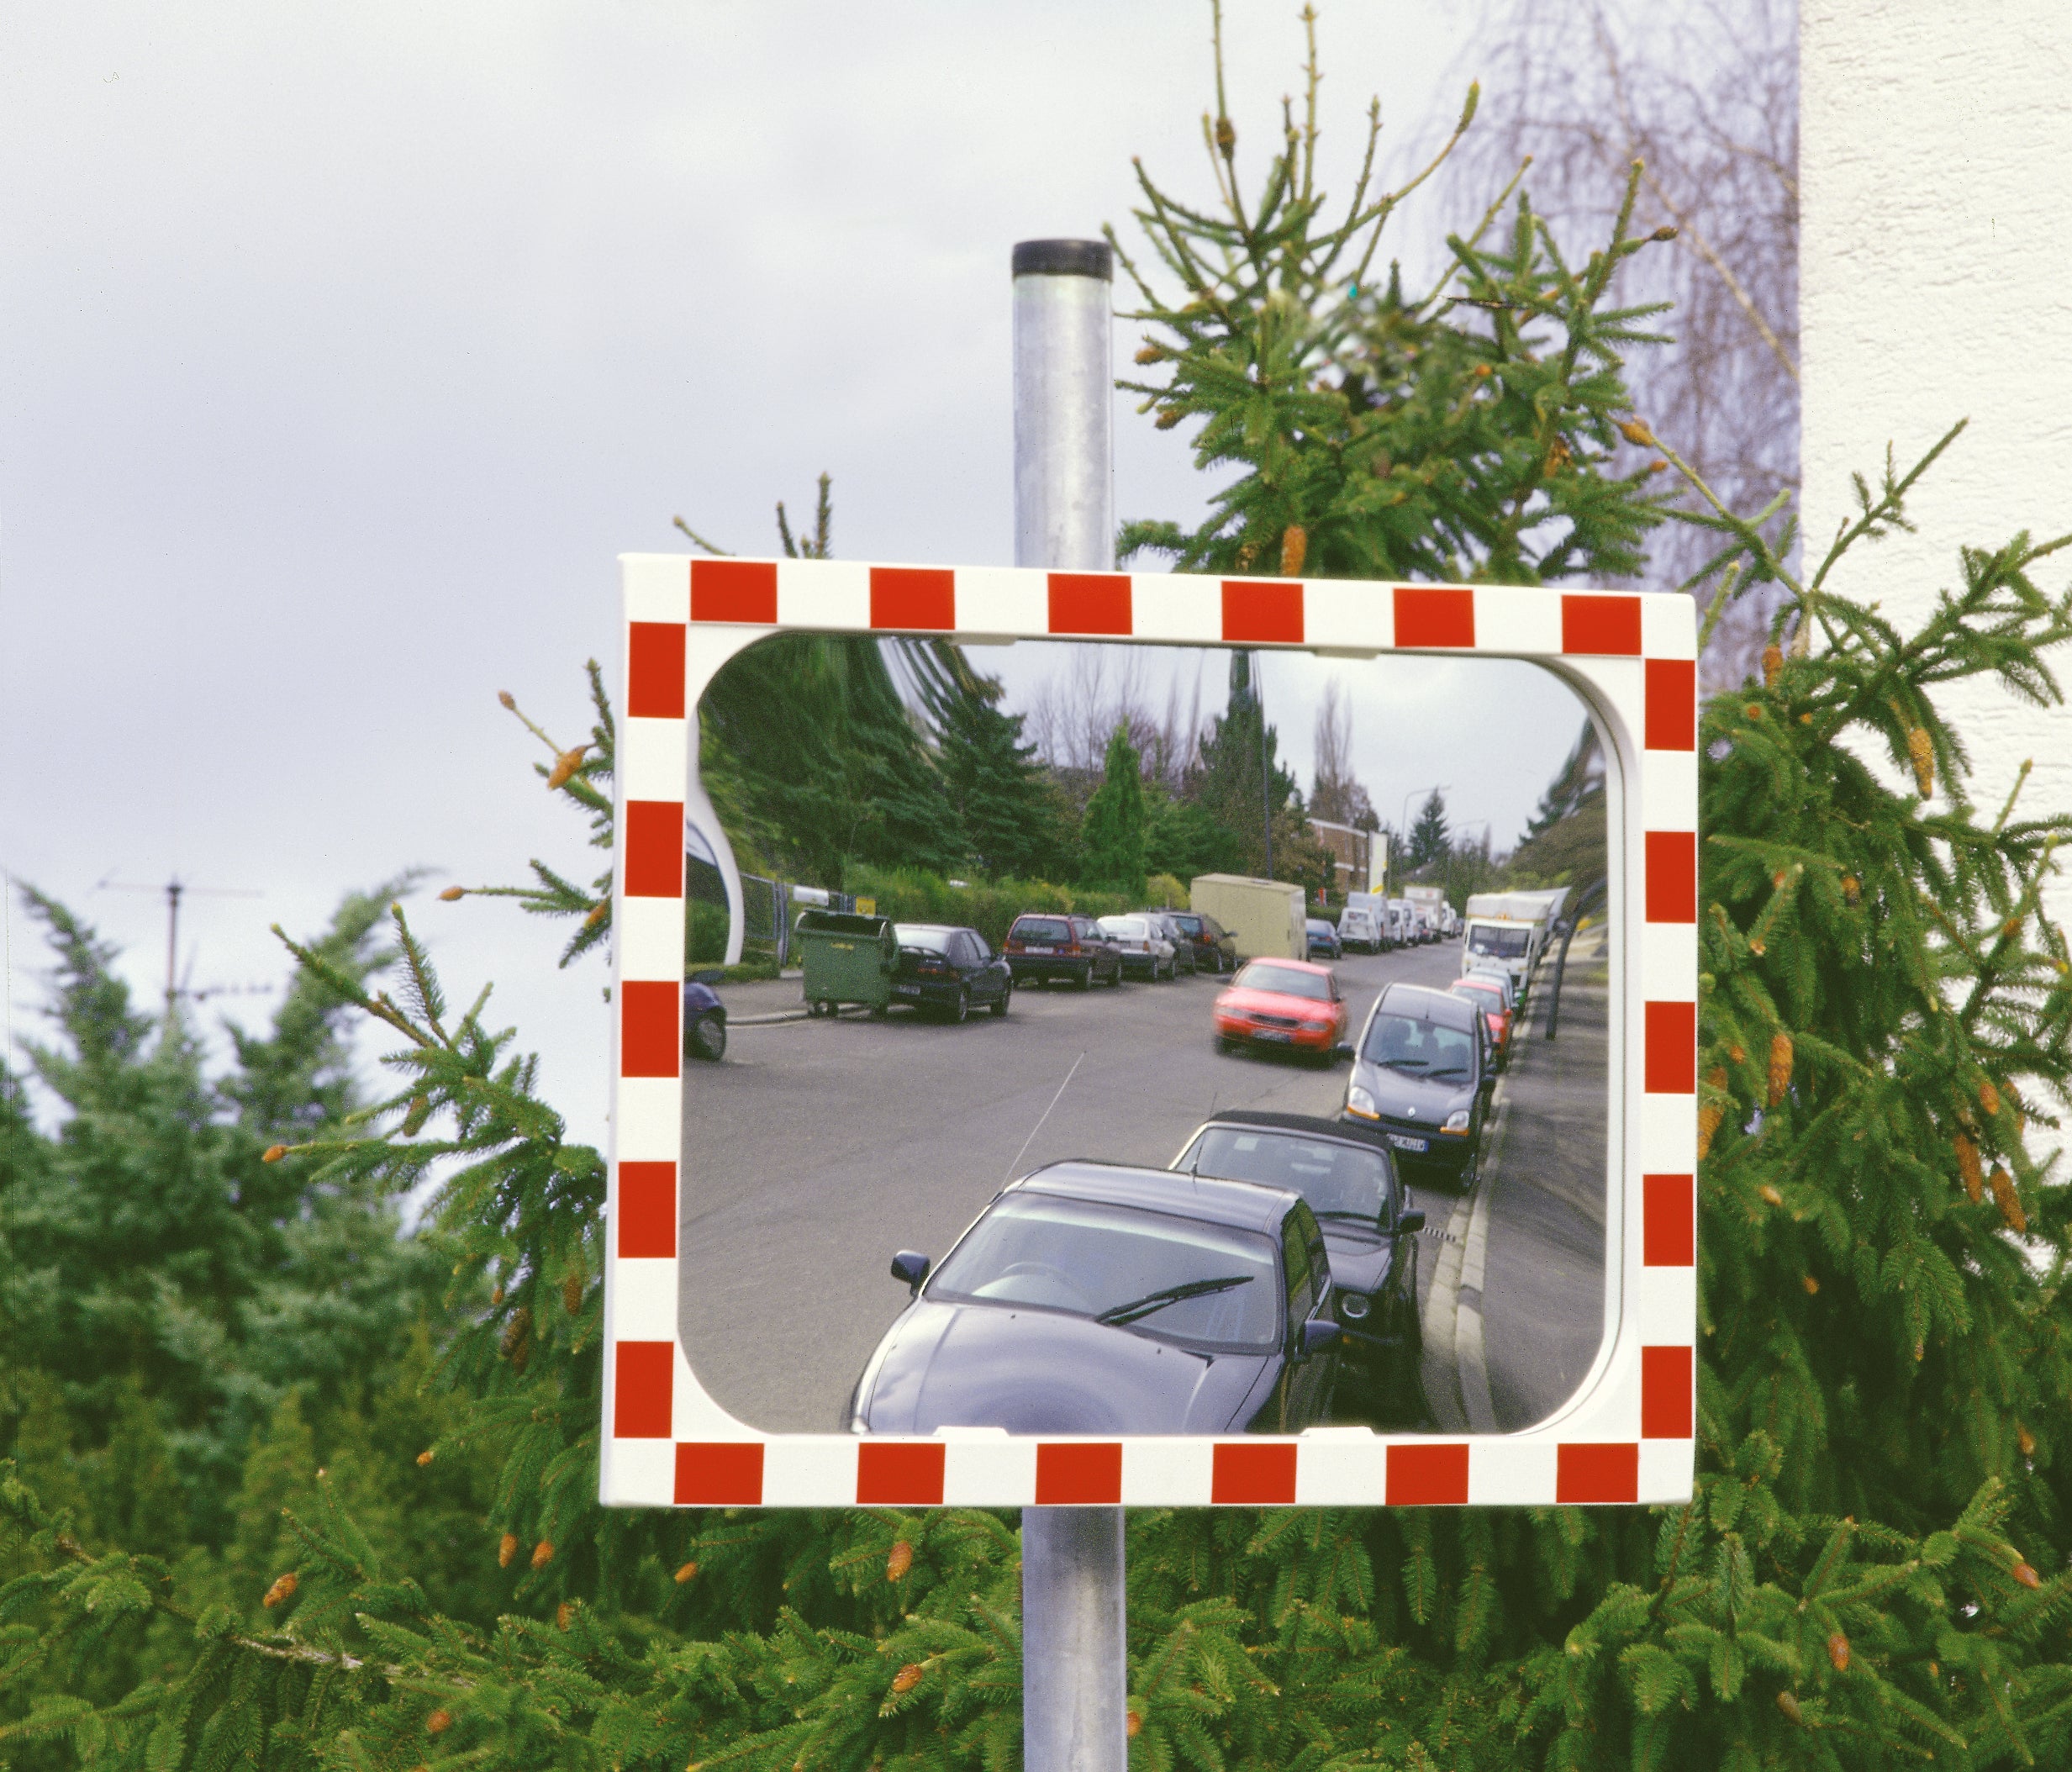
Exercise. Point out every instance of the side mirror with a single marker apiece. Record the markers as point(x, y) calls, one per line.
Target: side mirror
point(1343, 1050)
point(911, 1266)
point(1407, 1223)
point(1319, 1333)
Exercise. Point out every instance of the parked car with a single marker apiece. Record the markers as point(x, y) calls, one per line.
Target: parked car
point(704, 1017)
point(1369, 1232)
point(1143, 949)
point(1323, 939)
point(1420, 1076)
point(1215, 948)
point(949, 970)
point(1094, 1298)
point(1358, 927)
point(1184, 959)
point(1290, 1003)
point(1043, 945)
point(1488, 996)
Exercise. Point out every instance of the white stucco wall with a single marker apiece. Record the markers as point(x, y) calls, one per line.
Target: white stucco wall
point(1936, 284)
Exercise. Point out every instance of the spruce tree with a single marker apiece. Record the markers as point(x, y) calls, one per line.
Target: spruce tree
point(1429, 839)
point(1111, 836)
point(1005, 811)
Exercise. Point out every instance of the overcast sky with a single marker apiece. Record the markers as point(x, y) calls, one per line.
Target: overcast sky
point(341, 350)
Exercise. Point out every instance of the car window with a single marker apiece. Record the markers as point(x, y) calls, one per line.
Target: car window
point(1093, 1259)
point(935, 941)
point(1041, 929)
point(981, 952)
point(1417, 1048)
point(1191, 926)
point(1295, 1260)
point(1504, 944)
point(1288, 980)
point(1338, 1180)
point(1130, 929)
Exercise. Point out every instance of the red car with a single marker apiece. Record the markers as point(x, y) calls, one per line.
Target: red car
point(1282, 1003)
point(1488, 995)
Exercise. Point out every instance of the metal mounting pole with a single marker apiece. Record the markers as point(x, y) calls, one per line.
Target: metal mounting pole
point(1074, 1678)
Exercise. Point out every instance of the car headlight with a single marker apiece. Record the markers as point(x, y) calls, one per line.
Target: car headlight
point(1315, 1027)
point(1353, 1306)
point(1456, 1122)
point(1362, 1102)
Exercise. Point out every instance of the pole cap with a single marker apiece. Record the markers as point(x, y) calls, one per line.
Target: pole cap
point(1094, 258)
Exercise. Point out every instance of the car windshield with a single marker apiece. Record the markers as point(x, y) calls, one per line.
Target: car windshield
point(1189, 924)
point(1340, 1181)
point(1288, 980)
point(1318, 926)
point(1042, 928)
point(1419, 1048)
point(1505, 944)
point(1130, 928)
point(908, 935)
point(1171, 1277)
point(1485, 990)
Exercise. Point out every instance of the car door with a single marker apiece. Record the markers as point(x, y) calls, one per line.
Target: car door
point(1305, 1383)
point(988, 978)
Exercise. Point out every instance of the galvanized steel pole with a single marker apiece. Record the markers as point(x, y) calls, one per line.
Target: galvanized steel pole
point(1074, 1674)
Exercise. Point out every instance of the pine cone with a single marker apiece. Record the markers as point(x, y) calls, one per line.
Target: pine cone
point(1967, 1167)
point(1989, 1098)
point(1710, 1115)
point(907, 1678)
point(507, 1548)
point(1635, 430)
point(565, 766)
point(543, 1553)
point(515, 1343)
point(425, 1456)
point(1150, 353)
point(687, 1573)
point(1789, 1704)
point(1852, 890)
point(1811, 1284)
point(2027, 1576)
point(899, 1560)
point(1839, 1652)
point(1780, 1067)
point(439, 1722)
point(1168, 416)
point(2008, 1202)
point(504, 696)
point(572, 1289)
point(1772, 662)
point(281, 1590)
point(1770, 1195)
point(451, 893)
point(2025, 1440)
point(1294, 545)
point(564, 1614)
point(1134, 1724)
point(1923, 755)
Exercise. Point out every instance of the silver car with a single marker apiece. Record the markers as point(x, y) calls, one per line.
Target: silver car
point(1145, 951)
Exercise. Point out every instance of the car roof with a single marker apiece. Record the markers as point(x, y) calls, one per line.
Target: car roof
point(942, 929)
point(1305, 1126)
point(1245, 1205)
point(1426, 1002)
point(1298, 965)
point(1481, 981)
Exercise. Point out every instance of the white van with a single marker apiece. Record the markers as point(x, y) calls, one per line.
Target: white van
point(1358, 927)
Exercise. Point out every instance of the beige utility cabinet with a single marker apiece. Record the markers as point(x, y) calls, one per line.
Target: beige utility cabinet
point(1268, 918)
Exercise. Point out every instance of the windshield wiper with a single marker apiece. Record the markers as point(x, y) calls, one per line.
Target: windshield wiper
point(1402, 1064)
point(1158, 1300)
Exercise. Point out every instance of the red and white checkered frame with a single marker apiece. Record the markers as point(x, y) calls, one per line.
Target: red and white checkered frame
point(1625, 1437)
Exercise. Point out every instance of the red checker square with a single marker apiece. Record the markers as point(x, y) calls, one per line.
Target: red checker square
point(1671, 721)
point(1434, 618)
point(1263, 611)
point(1672, 877)
point(1671, 1053)
point(1428, 1476)
point(1668, 1221)
point(1603, 624)
point(1259, 1474)
point(655, 670)
point(649, 1010)
point(1089, 603)
point(1587, 1473)
point(640, 1402)
point(889, 1474)
point(734, 590)
point(1070, 1475)
point(1665, 1401)
point(647, 1211)
point(913, 597)
point(719, 1474)
point(653, 863)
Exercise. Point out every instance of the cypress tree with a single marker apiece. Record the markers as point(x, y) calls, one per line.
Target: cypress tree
point(1111, 838)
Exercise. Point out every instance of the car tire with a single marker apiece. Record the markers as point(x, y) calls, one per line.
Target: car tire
point(1115, 979)
point(708, 1036)
point(962, 1012)
point(1007, 996)
point(1086, 977)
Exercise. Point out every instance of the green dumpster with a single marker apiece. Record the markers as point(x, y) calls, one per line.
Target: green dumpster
point(845, 959)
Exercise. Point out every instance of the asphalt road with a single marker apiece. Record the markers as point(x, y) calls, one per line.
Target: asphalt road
point(819, 1148)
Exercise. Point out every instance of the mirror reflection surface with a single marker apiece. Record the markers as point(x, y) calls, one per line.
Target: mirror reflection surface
point(1128, 1039)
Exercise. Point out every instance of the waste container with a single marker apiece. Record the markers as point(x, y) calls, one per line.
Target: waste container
point(845, 959)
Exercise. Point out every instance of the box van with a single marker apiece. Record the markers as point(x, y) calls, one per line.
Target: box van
point(1358, 927)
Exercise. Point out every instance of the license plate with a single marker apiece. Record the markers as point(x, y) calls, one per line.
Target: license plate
point(1405, 1143)
point(1283, 1035)
point(915, 990)
point(1039, 950)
